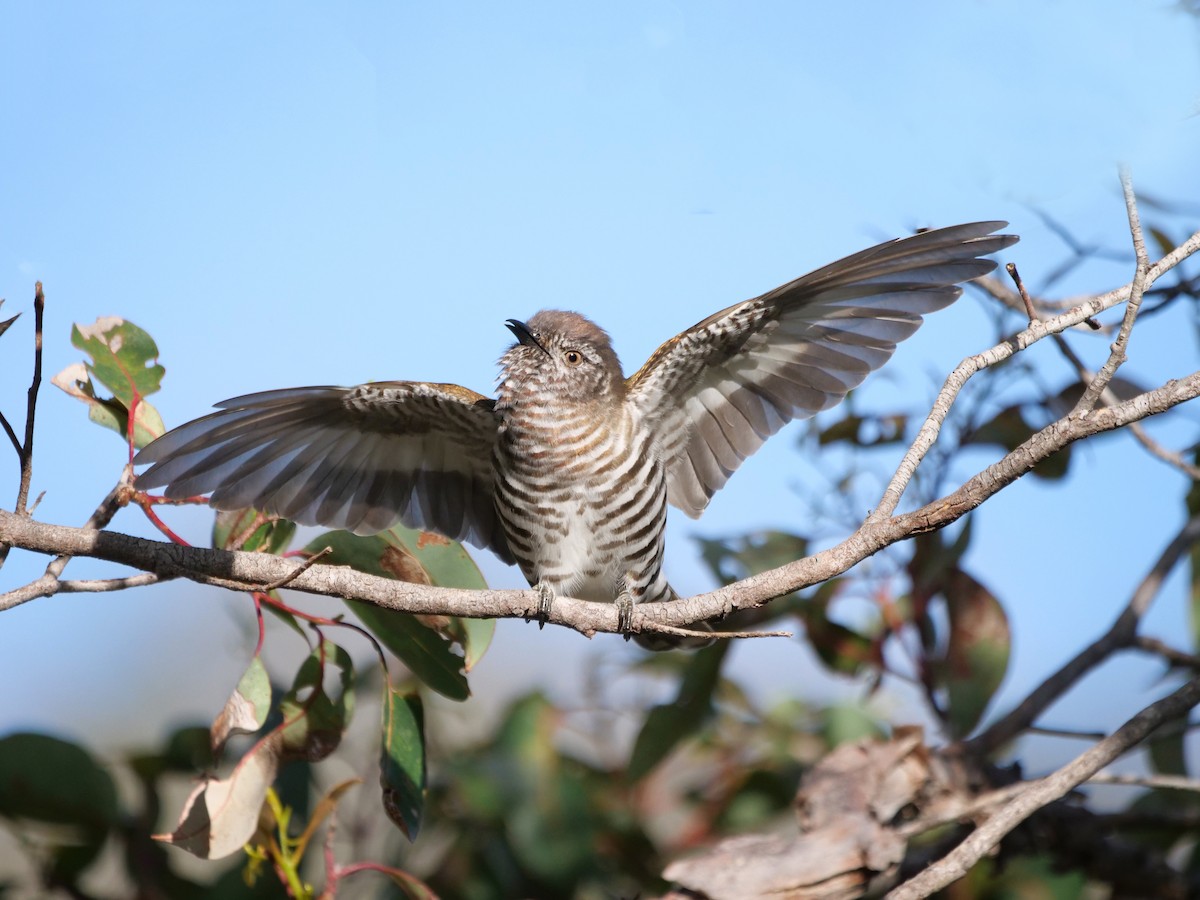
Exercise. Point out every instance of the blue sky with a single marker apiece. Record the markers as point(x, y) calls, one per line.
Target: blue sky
point(297, 193)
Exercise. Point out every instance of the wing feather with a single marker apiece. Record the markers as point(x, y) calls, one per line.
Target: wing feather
point(715, 392)
point(359, 458)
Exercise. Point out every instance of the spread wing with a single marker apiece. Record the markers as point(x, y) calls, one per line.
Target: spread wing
point(359, 458)
point(715, 392)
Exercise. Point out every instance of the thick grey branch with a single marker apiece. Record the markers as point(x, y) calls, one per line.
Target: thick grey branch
point(242, 571)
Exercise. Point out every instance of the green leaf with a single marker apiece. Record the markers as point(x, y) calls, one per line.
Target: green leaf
point(246, 709)
point(732, 559)
point(932, 562)
point(124, 358)
point(108, 412)
point(426, 653)
point(1163, 240)
point(1167, 753)
point(477, 636)
point(187, 750)
point(313, 721)
point(845, 722)
point(841, 649)
point(448, 564)
point(669, 724)
point(402, 761)
point(977, 652)
point(1009, 429)
point(865, 431)
point(51, 780)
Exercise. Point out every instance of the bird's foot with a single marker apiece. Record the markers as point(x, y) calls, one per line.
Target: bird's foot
point(545, 603)
point(624, 603)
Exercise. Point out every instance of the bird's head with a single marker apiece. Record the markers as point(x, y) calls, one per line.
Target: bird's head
point(563, 355)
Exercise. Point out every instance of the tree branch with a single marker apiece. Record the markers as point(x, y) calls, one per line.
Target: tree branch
point(1040, 793)
point(1006, 349)
point(1123, 633)
point(250, 571)
point(25, 449)
point(1137, 288)
point(39, 307)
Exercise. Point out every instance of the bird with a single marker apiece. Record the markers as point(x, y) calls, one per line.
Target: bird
point(568, 471)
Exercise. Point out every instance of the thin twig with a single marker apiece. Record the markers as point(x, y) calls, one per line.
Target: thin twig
point(1067, 733)
point(1158, 451)
point(957, 808)
point(295, 573)
point(994, 288)
point(656, 628)
point(104, 585)
point(957, 379)
point(1117, 355)
point(1173, 782)
point(1011, 269)
point(1046, 790)
point(1121, 634)
point(1155, 449)
point(39, 306)
point(1167, 652)
point(12, 436)
point(49, 584)
point(25, 449)
point(1030, 310)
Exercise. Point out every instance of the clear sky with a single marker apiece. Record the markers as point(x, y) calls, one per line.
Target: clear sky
point(303, 193)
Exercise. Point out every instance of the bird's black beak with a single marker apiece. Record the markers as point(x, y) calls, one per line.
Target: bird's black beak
point(524, 335)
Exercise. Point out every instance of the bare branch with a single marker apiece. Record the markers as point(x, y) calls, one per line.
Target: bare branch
point(1117, 355)
point(12, 436)
point(1169, 654)
point(1040, 793)
point(39, 306)
point(247, 571)
point(968, 367)
point(1122, 634)
point(1172, 782)
point(25, 450)
point(105, 585)
point(1158, 451)
point(1152, 446)
point(48, 584)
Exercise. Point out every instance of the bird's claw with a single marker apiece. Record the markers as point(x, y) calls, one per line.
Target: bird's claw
point(625, 614)
point(545, 603)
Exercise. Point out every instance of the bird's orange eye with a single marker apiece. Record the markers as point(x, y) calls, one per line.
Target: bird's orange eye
point(573, 357)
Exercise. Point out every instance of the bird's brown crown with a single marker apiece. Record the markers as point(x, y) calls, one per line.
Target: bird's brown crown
point(565, 355)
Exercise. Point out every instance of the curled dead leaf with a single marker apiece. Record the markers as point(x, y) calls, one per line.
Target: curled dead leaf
point(220, 816)
point(402, 565)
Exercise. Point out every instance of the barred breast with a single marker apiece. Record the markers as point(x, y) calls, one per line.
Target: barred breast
point(581, 496)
